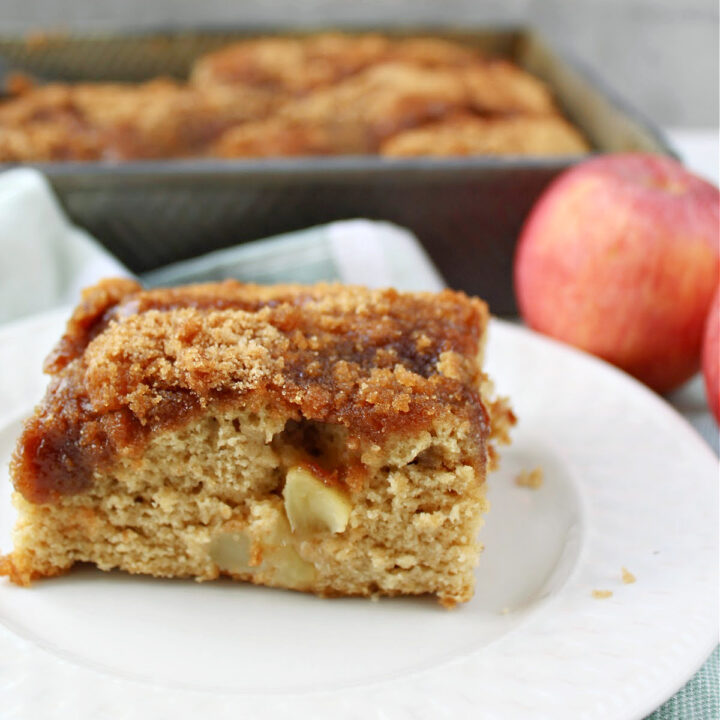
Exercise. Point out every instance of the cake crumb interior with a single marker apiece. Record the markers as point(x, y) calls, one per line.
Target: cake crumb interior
point(213, 489)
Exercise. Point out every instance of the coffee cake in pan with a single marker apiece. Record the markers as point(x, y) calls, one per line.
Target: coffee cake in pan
point(324, 94)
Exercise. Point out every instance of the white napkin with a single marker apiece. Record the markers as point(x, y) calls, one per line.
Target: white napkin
point(44, 260)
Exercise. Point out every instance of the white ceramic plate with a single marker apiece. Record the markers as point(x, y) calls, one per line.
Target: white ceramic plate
point(627, 483)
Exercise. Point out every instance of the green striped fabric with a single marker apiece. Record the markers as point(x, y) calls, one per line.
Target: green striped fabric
point(699, 699)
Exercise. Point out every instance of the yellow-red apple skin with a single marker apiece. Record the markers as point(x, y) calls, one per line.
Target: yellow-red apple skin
point(619, 257)
point(711, 357)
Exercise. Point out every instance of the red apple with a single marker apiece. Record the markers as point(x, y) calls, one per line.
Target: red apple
point(711, 357)
point(620, 258)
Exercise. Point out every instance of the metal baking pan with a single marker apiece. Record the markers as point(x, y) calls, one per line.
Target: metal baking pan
point(466, 211)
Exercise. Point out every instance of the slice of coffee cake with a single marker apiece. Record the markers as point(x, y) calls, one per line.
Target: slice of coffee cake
point(321, 438)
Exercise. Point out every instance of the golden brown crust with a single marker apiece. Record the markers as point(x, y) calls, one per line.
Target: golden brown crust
point(133, 362)
point(19, 574)
point(117, 121)
point(290, 65)
point(472, 135)
point(500, 87)
point(353, 117)
point(297, 66)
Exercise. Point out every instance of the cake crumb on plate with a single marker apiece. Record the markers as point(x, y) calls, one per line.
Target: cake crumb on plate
point(530, 478)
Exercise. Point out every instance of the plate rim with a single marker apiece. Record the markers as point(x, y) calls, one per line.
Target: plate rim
point(670, 415)
point(661, 696)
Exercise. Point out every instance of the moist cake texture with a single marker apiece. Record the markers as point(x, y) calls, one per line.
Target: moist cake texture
point(321, 438)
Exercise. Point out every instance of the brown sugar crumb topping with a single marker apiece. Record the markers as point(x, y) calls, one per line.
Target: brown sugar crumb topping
point(133, 362)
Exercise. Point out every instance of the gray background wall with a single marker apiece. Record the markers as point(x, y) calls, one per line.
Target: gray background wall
point(662, 55)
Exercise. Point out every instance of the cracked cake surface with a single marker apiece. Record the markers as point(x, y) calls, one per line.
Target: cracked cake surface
point(324, 438)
